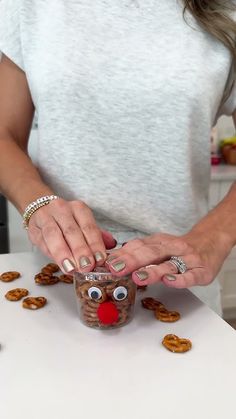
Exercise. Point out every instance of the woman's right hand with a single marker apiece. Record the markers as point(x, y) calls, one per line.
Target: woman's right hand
point(66, 231)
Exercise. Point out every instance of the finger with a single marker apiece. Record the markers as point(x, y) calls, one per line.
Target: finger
point(154, 273)
point(36, 239)
point(53, 237)
point(44, 249)
point(109, 241)
point(68, 217)
point(72, 234)
point(92, 234)
point(157, 240)
point(196, 276)
point(65, 239)
point(137, 253)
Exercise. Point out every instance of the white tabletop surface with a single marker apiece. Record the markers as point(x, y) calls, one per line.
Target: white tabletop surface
point(53, 367)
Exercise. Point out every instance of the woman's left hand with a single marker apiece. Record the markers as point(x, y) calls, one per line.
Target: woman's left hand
point(148, 259)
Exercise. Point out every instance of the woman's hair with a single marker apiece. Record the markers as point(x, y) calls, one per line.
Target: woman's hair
point(215, 16)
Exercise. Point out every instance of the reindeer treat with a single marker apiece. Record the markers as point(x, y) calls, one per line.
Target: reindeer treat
point(104, 301)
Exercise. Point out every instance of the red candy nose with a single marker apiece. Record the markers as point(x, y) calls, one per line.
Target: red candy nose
point(107, 313)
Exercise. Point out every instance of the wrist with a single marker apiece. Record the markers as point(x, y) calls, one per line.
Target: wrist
point(218, 227)
point(34, 206)
point(210, 237)
point(30, 193)
point(226, 213)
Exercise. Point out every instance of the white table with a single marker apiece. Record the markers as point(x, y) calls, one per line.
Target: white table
point(53, 367)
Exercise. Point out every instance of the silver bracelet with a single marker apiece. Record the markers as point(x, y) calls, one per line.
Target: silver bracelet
point(34, 206)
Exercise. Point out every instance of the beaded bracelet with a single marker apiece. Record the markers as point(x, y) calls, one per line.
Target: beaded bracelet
point(34, 206)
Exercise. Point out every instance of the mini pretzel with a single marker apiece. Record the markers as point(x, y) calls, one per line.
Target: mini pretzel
point(43, 279)
point(53, 267)
point(68, 279)
point(122, 304)
point(16, 294)
point(165, 315)
point(42, 276)
point(110, 287)
point(151, 304)
point(109, 284)
point(81, 290)
point(88, 312)
point(92, 304)
point(50, 269)
point(131, 292)
point(123, 315)
point(90, 308)
point(92, 324)
point(47, 271)
point(9, 276)
point(34, 303)
point(175, 344)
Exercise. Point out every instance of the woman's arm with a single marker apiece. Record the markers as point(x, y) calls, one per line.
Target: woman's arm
point(19, 180)
point(64, 231)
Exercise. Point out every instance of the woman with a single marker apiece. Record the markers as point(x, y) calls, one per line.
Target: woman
point(126, 94)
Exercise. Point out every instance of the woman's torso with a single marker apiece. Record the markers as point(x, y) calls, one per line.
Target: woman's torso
point(126, 97)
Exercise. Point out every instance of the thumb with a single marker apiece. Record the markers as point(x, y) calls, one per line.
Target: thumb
point(108, 239)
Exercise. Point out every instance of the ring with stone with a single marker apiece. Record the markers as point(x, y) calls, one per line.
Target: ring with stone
point(179, 264)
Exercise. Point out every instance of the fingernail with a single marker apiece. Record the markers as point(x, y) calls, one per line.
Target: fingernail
point(142, 275)
point(170, 277)
point(118, 266)
point(123, 244)
point(110, 259)
point(84, 262)
point(68, 265)
point(98, 256)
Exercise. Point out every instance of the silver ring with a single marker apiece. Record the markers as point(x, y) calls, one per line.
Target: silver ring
point(179, 264)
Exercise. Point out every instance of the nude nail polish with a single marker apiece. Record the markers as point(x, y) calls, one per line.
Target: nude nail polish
point(110, 259)
point(118, 266)
point(142, 275)
point(98, 256)
point(68, 265)
point(84, 262)
point(170, 277)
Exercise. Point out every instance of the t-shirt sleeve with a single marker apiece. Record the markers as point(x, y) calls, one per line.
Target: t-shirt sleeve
point(10, 32)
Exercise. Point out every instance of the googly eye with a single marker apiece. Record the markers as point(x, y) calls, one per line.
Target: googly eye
point(120, 293)
point(94, 293)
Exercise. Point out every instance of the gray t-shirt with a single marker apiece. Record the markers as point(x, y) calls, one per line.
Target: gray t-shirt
point(126, 94)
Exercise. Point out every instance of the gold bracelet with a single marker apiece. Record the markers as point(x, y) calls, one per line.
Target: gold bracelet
point(34, 206)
